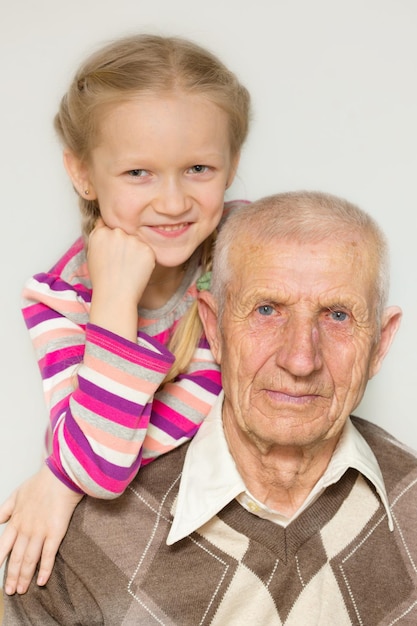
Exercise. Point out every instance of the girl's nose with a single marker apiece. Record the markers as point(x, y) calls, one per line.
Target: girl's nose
point(172, 199)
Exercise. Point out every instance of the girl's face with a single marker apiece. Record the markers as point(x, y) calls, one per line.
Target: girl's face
point(159, 170)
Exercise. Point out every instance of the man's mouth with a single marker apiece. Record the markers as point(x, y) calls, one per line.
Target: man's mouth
point(292, 398)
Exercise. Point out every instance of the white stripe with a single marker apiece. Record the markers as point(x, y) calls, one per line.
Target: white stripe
point(45, 289)
point(45, 327)
point(193, 388)
point(112, 456)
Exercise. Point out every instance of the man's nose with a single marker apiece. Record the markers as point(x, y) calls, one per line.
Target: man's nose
point(172, 199)
point(300, 350)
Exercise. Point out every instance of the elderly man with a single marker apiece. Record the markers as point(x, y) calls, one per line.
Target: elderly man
point(284, 509)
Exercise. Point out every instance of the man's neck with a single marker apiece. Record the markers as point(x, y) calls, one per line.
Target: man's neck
point(279, 477)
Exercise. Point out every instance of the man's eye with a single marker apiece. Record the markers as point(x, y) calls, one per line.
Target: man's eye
point(339, 316)
point(137, 173)
point(265, 309)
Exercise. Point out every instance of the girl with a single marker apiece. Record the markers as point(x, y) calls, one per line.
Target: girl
point(152, 129)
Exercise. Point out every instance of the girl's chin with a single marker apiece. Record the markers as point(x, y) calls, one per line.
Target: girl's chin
point(172, 257)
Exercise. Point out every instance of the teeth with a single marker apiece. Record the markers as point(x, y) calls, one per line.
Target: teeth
point(172, 228)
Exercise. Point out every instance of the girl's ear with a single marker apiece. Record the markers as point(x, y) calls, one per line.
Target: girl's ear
point(207, 308)
point(78, 172)
point(390, 323)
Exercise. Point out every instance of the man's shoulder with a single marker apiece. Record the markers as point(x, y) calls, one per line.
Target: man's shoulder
point(162, 474)
point(134, 521)
point(398, 462)
point(377, 435)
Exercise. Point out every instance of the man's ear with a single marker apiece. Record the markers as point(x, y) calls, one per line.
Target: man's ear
point(391, 319)
point(78, 172)
point(207, 308)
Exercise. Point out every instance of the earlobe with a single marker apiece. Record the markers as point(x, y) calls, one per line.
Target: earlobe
point(208, 314)
point(78, 173)
point(390, 323)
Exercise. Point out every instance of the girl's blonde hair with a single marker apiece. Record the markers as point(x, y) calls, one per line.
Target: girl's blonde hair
point(150, 64)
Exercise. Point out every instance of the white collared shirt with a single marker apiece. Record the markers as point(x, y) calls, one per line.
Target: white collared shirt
point(210, 479)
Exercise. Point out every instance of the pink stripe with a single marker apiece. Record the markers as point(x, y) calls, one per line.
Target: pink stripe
point(58, 333)
point(151, 446)
point(128, 420)
point(188, 398)
point(92, 468)
point(140, 356)
point(131, 381)
point(67, 303)
point(180, 421)
point(110, 441)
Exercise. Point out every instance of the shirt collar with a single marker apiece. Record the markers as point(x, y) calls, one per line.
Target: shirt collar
point(210, 479)
point(354, 451)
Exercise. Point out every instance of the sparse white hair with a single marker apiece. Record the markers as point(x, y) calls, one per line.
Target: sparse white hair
point(303, 216)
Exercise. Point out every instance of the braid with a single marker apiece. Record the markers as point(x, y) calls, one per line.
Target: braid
point(189, 330)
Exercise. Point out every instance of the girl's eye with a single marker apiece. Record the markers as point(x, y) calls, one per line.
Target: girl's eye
point(265, 309)
point(339, 316)
point(198, 169)
point(137, 173)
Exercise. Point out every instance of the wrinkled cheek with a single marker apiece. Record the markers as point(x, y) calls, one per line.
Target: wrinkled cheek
point(238, 376)
point(349, 391)
point(360, 380)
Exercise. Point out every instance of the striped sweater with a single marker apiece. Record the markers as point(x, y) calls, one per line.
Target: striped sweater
point(107, 414)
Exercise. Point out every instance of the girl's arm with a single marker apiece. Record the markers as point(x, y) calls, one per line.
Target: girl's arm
point(102, 395)
point(98, 388)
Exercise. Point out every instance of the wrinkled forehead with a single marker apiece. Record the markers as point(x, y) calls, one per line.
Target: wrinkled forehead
point(251, 255)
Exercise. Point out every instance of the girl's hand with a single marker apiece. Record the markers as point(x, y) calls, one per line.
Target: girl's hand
point(120, 266)
point(38, 514)
point(118, 263)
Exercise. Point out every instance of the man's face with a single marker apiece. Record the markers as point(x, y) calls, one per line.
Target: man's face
point(298, 339)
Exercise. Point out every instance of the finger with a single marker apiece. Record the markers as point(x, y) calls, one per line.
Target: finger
point(50, 549)
point(14, 564)
point(28, 566)
point(7, 541)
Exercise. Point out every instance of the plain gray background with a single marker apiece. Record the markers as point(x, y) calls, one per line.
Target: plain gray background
point(335, 104)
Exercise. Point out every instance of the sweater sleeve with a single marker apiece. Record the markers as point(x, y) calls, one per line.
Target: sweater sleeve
point(107, 414)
